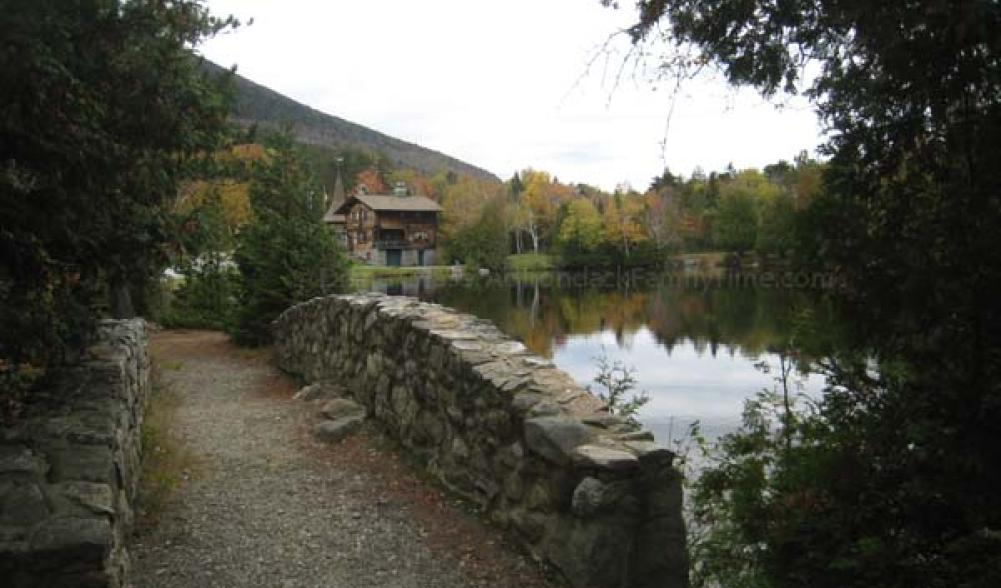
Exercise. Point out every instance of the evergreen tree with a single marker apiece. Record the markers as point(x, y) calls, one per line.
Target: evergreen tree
point(105, 108)
point(286, 254)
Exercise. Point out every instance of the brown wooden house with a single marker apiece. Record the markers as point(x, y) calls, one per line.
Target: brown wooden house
point(388, 229)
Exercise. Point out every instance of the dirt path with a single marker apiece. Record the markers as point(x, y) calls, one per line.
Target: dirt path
point(266, 505)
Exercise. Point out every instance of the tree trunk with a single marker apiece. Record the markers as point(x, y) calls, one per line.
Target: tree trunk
point(121, 300)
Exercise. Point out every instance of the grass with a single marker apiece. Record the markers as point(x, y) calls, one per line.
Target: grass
point(166, 462)
point(362, 271)
point(531, 262)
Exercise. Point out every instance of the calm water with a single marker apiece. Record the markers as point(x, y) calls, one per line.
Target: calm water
point(696, 340)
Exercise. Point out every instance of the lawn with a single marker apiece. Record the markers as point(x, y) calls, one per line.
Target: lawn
point(531, 262)
point(362, 271)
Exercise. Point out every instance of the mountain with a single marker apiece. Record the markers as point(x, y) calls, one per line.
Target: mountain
point(256, 104)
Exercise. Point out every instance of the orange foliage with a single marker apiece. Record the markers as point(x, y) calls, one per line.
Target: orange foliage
point(372, 180)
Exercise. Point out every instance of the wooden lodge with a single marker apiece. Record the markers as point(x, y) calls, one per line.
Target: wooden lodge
point(387, 229)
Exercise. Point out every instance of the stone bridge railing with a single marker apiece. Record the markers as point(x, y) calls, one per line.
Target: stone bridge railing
point(69, 469)
point(504, 428)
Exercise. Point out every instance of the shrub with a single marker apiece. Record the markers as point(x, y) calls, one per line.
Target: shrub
point(617, 384)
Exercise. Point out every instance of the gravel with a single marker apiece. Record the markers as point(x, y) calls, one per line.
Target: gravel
point(269, 506)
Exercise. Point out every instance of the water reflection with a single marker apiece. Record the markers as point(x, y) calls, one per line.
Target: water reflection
point(694, 343)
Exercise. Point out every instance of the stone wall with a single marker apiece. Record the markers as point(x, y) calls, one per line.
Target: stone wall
point(506, 429)
point(69, 469)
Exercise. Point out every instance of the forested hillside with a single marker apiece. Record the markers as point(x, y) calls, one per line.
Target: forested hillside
point(269, 109)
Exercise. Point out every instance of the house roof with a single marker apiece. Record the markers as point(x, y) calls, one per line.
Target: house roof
point(383, 202)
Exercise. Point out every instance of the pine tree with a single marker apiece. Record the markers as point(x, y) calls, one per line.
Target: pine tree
point(286, 254)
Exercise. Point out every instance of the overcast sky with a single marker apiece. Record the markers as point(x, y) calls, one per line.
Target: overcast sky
point(503, 85)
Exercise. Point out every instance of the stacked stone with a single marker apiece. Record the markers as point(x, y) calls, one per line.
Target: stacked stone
point(69, 469)
point(505, 428)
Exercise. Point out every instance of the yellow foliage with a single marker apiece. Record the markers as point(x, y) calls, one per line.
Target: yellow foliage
point(582, 225)
point(752, 183)
point(623, 218)
point(233, 196)
point(463, 201)
point(541, 195)
point(245, 153)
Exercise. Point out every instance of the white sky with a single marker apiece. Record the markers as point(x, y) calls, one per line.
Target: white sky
point(499, 84)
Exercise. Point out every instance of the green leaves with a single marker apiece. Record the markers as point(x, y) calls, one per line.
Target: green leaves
point(895, 480)
point(617, 384)
point(104, 108)
point(286, 254)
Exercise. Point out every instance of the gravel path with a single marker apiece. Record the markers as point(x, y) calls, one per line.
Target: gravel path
point(266, 505)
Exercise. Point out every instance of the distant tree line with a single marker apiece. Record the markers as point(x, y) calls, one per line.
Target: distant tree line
point(737, 211)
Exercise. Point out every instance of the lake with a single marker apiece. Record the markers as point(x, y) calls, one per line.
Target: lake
point(698, 340)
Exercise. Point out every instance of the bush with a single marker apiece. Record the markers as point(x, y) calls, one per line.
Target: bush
point(645, 254)
point(617, 384)
point(206, 299)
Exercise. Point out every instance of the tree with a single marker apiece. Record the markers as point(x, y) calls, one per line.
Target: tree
point(515, 185)
point(207, 296)
point(581, 229)
point(735, 226)
point(463, 200)
point(106, 108)
point(518, 218)
point(911, 95)
point(371, 179)
point(483, 243)
point(539, 209)
point(663, 216)
point(777, 226)
point(286, 255)
point(665, 180)
point(623, 222)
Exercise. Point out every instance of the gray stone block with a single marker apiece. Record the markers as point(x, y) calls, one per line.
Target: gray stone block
point(23, 505)
point(18, 459)
point(555, 438)
point(338, 430)
point(67, 540)
point(341, 407)
point(604, 458)
point(91, 463)
point(318, 391)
